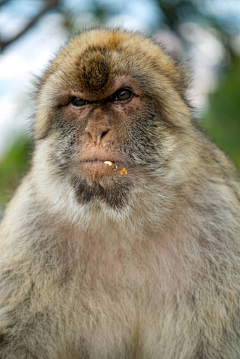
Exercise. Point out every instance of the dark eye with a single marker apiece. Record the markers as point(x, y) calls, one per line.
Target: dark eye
point(77, 101)
point(123, 95)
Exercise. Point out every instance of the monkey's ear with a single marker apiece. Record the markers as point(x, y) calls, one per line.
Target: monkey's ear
point(182, 78)
point(175, 69)
point(37, 84)
point(39, 81)
point(40, 127)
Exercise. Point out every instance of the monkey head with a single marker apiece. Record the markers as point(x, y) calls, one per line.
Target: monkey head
point(111, 101)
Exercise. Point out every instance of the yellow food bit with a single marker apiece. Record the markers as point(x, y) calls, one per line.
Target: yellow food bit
point(109, 163)
point(123, 172)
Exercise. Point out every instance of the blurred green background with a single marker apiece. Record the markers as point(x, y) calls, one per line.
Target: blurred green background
point(207, 33)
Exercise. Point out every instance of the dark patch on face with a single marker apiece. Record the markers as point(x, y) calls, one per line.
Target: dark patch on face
point(94, 71)
point(115, 196)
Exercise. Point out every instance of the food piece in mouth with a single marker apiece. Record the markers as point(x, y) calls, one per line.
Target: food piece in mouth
point(123, 172)
point(109, 163)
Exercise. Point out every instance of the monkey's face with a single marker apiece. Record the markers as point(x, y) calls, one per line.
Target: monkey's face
point(103, 121)
point(104, 107)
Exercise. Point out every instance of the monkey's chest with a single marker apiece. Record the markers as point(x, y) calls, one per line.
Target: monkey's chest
point(114, 310)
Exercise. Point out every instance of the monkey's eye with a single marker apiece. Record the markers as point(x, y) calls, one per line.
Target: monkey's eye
point(77, 101)
point(123, 95)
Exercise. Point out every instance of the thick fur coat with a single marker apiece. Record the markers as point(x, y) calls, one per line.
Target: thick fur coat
point(96, 265)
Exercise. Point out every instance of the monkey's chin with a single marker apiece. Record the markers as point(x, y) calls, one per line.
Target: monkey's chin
point(98, 182)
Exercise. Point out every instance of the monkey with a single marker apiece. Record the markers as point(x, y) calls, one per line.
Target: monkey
point(123, 239)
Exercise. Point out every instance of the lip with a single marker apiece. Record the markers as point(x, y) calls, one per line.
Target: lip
point(106, 162)
point(98, 154)
point(99, 160)
point(99, 168)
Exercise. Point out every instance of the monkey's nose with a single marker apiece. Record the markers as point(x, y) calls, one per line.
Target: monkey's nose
point(97, 134)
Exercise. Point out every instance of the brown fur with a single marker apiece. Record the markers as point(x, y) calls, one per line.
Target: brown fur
point(99, 265)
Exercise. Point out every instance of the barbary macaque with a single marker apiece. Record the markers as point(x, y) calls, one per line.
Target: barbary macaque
point(123, 239)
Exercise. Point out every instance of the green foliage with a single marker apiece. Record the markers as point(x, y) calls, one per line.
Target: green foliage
point(14, 163)
point(222, 121)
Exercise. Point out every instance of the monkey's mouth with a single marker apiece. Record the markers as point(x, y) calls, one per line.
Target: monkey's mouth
point(98, 169)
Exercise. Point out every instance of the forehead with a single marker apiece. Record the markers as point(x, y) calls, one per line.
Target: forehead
point(98, 45)
point(92, 59)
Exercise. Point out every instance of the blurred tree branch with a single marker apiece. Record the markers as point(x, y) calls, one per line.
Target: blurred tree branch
point(3, 2)
point(49, 4)
point(176, 12)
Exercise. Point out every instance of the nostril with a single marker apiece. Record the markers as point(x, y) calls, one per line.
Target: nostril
point(96, 134)
point(104, 133)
